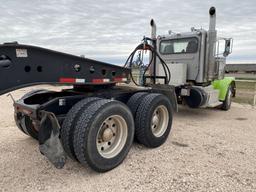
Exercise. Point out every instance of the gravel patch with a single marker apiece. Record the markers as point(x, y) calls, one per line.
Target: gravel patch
point(207, 150)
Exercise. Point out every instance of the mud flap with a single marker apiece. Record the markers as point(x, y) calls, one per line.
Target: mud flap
point(49, 141)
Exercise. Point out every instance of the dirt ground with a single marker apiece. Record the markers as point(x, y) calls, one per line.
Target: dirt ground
point(207, 150)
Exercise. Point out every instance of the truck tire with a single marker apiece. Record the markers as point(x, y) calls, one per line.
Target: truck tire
point(153, 120)
point(227, 102)
point(135, 100)
point(67, 129)
point(25, 124)
point(103, 134)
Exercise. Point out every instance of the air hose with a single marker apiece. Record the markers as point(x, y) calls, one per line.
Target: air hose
point(147, 47)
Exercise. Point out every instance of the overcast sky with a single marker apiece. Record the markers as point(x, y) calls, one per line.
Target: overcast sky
point(109, 30)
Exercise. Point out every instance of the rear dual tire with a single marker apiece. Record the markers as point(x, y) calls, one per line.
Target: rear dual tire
point(100, 134)
point(135, 100)
point(153, 118)
point(68, 126)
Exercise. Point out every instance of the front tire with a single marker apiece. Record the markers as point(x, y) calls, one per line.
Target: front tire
point(103, 134)
point(227, 102)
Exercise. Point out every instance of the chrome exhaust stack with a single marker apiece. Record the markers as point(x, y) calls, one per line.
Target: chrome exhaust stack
point(211, 41)
point(153, 29)
point(152, 69)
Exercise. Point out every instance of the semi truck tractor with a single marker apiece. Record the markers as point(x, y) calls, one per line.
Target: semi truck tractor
point(96, 119)
point(197, 61)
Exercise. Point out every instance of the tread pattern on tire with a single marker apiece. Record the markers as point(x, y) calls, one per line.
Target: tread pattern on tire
point(135, 100)
point(79, 133)
point(67, 130)
point(141, 117)
point(83, 143)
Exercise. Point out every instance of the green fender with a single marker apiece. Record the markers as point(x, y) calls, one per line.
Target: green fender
point(222, 85)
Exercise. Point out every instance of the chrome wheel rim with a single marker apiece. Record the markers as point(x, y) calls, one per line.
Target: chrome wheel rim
point(159, 121)
point(112, 136)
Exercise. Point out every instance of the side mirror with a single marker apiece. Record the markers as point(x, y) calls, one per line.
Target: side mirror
point(228, 47)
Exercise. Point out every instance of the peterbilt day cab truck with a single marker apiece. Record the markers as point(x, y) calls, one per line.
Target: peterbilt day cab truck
point(96, 120)
point(197, 65)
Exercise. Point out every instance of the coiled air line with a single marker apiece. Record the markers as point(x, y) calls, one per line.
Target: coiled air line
point(143, 47)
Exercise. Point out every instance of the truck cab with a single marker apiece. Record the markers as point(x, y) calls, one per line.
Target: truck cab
point(197, 62)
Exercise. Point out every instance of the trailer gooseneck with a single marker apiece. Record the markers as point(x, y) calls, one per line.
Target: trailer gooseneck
point(96, 120)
